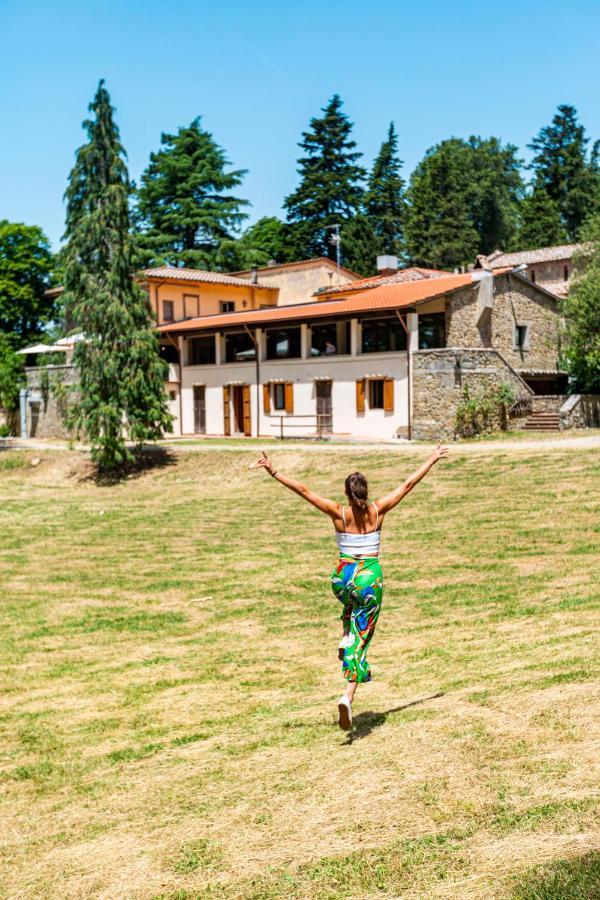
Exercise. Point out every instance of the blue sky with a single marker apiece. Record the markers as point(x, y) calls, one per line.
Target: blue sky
point(257, 71)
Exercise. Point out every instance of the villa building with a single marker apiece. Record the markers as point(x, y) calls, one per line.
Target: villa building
point(550, 267)
point(385, 357)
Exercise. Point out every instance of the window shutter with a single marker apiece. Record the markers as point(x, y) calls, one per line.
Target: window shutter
point(267, 398)
point(226, 413)
point(247, 425)
point(360, 395)
point(388, 395)
point(289, 397)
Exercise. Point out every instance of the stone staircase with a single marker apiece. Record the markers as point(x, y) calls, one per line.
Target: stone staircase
point(540, 420)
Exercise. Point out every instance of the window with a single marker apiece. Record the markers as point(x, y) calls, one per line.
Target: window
point(330, 338)
point(168, 311)
point(278, 395)
point(239, 347)
point(226, 306)
point(432, 331)
point(521, 337)
point(375, 393)
point(565, 273)
point(172, 395)
point(191, 306)
point(201, 351)
point(283, 343)
point(169, 353)
point(383, 335)
point(533, 275)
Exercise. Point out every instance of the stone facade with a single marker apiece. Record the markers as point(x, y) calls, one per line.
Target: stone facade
point(581, 411)
point(47, 401)
point(439, 378)
point(515, 301)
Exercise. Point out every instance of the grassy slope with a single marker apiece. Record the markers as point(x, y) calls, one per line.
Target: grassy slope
point(169, 671)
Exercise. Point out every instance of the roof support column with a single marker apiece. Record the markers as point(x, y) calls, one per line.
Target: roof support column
point(218, 348)
point(412, 321)
point(304, 348)
point(354, 337)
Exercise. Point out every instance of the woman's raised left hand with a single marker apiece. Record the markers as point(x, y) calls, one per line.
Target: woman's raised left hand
point(440, 452)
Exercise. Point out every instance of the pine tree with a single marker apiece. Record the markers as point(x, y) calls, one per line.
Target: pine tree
point(540, 221)
point(562, 166)
point(330, 190)
point(121, 391)
point(185, 205)
point(385, 201)
point(581, 310)
point(439, 228)
point(360, 245)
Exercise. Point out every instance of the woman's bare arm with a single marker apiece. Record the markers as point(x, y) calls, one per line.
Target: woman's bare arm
point(329, 507)
point(389, 501)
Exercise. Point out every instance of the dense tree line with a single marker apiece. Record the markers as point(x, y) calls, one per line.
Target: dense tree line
point(465, 197)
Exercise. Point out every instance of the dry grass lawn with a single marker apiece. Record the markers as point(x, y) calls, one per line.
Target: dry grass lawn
point(169, 676)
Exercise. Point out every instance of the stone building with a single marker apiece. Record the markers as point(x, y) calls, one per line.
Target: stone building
point(550, 267)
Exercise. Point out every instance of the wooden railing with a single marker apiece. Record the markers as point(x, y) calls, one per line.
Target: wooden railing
point(321, 423)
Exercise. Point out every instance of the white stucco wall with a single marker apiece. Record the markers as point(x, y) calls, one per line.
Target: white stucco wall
point(343, 372)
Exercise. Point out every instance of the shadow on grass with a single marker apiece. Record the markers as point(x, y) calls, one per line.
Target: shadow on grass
point(364, 723)
point(564, 879)
point(145, 460)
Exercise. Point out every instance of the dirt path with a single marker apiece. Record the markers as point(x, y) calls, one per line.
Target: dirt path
point(544, 444)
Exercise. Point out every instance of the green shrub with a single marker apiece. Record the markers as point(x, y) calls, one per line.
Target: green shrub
point(4, 431)
point(484, 411)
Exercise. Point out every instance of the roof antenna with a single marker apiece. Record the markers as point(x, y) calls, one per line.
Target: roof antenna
point(336, 240)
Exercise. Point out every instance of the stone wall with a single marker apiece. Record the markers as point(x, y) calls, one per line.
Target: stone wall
point(47, 402)
point(547, 402)
point(581, 411)
point(438, 381)
point(515, 301)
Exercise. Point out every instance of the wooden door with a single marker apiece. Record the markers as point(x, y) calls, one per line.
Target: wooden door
point(226, 410)
point(247, 422)
point(324, 409)
point(199, 409)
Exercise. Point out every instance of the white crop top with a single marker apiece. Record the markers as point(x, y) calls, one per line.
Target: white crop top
point(359, 545)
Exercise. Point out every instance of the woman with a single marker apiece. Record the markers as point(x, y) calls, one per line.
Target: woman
point(357, 580)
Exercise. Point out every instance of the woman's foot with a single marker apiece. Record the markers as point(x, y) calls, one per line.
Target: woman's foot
point(345, 642)
point(345, 712)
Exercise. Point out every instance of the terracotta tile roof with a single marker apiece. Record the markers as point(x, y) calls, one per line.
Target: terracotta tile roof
point(527, 257)
point(412, 273)
point(385, 297)
point(559, 288)
point(315, 262)
point(172, 273)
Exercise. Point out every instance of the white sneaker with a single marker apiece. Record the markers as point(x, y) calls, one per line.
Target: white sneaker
point(344, 713)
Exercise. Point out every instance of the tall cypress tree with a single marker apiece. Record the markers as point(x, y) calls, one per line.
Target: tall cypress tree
point(541, 224)
point(185, 202)
point(121, 393)
point(385, 201)
point(569, 174)
point(330, 190)
point(360, 245)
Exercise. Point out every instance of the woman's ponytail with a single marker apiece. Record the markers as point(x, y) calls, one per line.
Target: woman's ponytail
point(357, 490)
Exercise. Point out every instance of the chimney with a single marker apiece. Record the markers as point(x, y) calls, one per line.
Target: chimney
point(254, 275)
point(387, 265)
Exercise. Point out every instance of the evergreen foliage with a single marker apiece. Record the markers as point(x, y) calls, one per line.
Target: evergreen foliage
point(582, 313)
point(122, 377)
point(563, 167)
point(440, 231)
point(25, 269)
point(385, 201)
point(464, 198)
point(360, 245)
point(186, 206)
point(330, 190)
point(541, 225)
